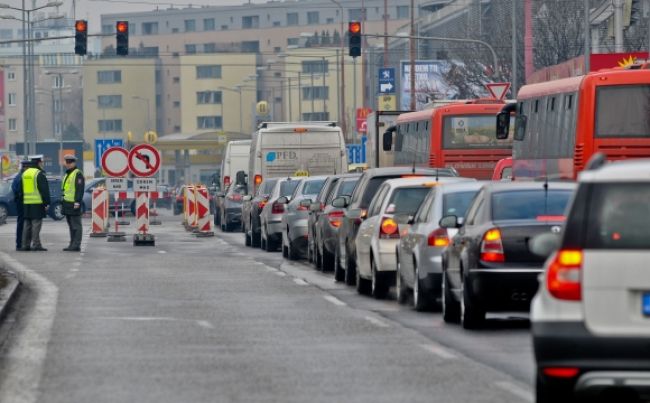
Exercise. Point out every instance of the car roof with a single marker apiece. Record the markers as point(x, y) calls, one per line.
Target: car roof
point(405, 171)
point(626, 171)
point(461, 186)
point(499, 186)
point(429, 181)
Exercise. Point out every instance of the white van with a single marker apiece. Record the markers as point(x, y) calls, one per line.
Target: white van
point(281, 149)
point(235, 159)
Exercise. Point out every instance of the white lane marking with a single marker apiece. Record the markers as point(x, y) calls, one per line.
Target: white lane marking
point(280, 273)
point(376, 322)
point(205, 324)
point(271, 269)
point(141, 318)
point(300, 281)
point(162, 252)
point(439, 351)
point(24, 363)
point(334, 300)
point(516, 390)
point(74, 269)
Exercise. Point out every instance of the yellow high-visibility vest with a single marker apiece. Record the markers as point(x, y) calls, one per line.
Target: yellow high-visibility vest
point(69, 186)
point(31, 195)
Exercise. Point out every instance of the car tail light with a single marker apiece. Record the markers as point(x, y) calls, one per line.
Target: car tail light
point(261, 204)
point(277, 208)
point(438, 238)
point(561, 372)
point(258, 179)
point(334, 218)
point(235, 197)
point(550, 218)
point(563, 276)
point(492, 247)
point(362, 216)
point(226, 180)
point(388, 228)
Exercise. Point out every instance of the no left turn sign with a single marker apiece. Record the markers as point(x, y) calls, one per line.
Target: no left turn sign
point(144, 160)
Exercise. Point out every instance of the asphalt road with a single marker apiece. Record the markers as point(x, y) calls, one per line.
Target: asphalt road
point(208, 320)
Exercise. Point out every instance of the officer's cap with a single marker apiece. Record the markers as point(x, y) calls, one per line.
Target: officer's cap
point(69, 157)
point(36, 158)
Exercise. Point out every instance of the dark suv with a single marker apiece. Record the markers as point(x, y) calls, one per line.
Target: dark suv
point(356, 209)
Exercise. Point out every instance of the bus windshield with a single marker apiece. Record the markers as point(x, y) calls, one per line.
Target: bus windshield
point(472, 131)
point(623, 111)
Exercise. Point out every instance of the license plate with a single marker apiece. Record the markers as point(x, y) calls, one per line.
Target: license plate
point(645, 304)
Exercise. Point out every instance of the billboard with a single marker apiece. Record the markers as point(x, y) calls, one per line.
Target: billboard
point(429, 82)
point(53, 152)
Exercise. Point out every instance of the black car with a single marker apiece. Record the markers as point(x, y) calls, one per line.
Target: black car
point(251, 209)
point(488, 266)
point(8, 204)
point(356, 209)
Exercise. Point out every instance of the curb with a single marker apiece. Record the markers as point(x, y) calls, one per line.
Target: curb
point(10, 294)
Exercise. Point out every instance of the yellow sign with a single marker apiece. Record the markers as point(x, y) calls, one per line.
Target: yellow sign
point(262, 108)
point(6, 162)
point(301, 172)
point(387, 102)
point(151, 137)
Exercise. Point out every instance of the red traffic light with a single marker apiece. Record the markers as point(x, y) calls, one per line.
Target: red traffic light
point(355, 27)
point(122, 27)
point(81, 25)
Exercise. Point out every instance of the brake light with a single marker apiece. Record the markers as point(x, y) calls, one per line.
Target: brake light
point(438, 238)
point(550, 218)
point(235, 197)
point(277, 208)
point(492, 247)
point(226, 180)
point(388, 228)
point(362, 216)
point(561, 372)
point(258, 179)
point(334, 218)
point(563, 276)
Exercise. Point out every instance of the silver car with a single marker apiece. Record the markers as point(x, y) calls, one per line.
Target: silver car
point(296, 214)
point(271, 215)
point(419, 253)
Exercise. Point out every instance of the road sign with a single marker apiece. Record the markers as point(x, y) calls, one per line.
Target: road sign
point(362, 115)
point(144, 185)
point(386, 80)
point(144, 160)
point(117, 184)
point(115, 161)
point(101, 145)
point(498, 90)
point(387, 102)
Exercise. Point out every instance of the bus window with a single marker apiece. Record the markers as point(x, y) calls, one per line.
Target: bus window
point(622, 111)
point(472, 131)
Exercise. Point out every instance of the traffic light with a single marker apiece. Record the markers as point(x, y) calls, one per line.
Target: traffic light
point(354, 32)
point(122, 36)
point(80, 37)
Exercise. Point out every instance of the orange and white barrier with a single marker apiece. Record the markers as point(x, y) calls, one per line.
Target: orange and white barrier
point(142, 212)
point(204, 219)
point(191, 218)
point(99, 212)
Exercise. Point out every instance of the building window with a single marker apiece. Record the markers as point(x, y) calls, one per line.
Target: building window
point(354, 14)
point(316, 116)
point(330, 20)
point(150, 51)
point(109, 77)
point(175, 30)
point(57, 128)
point(190, 49)
point(110, 125)
point(250, 22)
point(224, 27)
point(208, 97)
point(208, 24)
point(190, 25)
point(158, 100)
point(11, 99)
point(250, 46)
point(210, 47)
point(57, 82)
point(210, 71)
point(109, 101)
point(108, 29)
point(149, 28)
point(158, 76)
point(292, 19)
point(50, 60)
point(309, 93)
point(176, 80)
point(293, 41)
point(58, 105)
point(12, 125)
point(11, 76)
point(403, 12)
point(175, 55)
point(277, 24)
point(277, 49)
point(315, 66)
point(209, 122)
point(313, 17)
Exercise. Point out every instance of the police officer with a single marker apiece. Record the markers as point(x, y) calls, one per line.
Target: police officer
point(17, 189)
point(36, 200)
point(73, 191)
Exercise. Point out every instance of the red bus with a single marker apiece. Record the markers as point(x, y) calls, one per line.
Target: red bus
point(459, 135)
point(560, 124)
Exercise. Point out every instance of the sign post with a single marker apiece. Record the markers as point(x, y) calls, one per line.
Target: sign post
point(144, 162)
point(114, 162)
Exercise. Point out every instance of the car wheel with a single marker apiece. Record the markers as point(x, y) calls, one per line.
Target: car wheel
point(380, 284)
point(285, 249)
point(256, 239)
point(217, 218)
point(363, 286)
point(350, 271)
point(339, 274)
point(292, 254)
point(270, 245)
point(4, 213)
point(547, 392)
point(402, 289)
point(326, 260)
point(420, 297)
point(247, 239)
point(471, 316)
point(450, 307)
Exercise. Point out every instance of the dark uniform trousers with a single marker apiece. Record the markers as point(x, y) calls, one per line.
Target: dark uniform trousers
point(76, 230)
point(32, 233)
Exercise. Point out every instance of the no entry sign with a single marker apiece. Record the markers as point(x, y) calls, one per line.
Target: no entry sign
point(144, 160)
point(115, 161)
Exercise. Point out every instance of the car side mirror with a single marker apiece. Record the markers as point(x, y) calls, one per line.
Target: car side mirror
point(503, 125)
point(544, 245)
point(390, 209)
point(306, 203)
point(247, 198)
point(520, 127)
point(341, 202)
point(283, 200)
point(315, 207)
point(450, 221)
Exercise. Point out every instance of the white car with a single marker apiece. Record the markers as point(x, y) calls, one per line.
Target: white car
point(378, 235)
point(591, 316)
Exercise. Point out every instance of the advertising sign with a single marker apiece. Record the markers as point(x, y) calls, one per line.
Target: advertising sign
point(429, 82)
point(362, 115)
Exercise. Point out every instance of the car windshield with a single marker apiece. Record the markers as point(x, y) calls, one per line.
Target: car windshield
point(372, 188)
point(288, 187)
point(312, 187)
point(407, 200)
point(268, 186)
point(529, 204)
point(347, 187)
point(457, 203)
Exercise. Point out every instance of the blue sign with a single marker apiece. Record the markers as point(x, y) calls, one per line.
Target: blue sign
point(386, 81)
point(101, 145)
point(357, 152)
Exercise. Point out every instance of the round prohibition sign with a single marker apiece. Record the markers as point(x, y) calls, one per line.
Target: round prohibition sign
point(144, 160)
point(115, 161)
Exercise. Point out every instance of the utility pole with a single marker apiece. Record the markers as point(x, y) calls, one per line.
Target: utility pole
point(587, 37)
point(515, 84)
point(386, 33)
point(618, 25)
point(342, 116)
point(412, 56)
